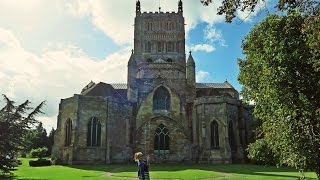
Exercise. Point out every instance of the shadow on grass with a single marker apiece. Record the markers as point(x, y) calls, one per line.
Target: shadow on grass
point(11, 177)
point(226, 169)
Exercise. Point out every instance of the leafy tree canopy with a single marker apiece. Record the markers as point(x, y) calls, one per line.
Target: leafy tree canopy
point(35, 138)
point(229, 8)
point(281, 74)
point(15, 121)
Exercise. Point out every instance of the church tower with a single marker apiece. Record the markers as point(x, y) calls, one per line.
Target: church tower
point(159, 50)
point(159, 88)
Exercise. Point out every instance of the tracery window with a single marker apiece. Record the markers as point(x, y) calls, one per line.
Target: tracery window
point(161, 138)
point(214, 135)
point(94, 132)
point(68, 132)
point(161, 99)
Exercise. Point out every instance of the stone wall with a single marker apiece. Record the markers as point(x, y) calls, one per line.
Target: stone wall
point(175, 120)
point(114, 117)
point(232, 118)
point(67, 110)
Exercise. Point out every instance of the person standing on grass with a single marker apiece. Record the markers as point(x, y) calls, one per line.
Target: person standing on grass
point(143, 166)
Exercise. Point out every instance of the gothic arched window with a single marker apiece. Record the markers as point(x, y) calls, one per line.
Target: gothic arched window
point(94, 132)
point(214, 135)
point(161, 138)
point(68, 132)
point(161, 99)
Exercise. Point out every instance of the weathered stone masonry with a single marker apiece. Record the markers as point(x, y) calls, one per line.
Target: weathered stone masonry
point(161, 111)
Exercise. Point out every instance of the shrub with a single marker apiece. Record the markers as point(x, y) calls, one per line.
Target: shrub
point(22, 154)
point(40, 162)
point(39, 152)
point(260, 153)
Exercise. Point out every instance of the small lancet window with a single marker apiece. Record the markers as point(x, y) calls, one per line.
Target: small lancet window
point(214, 135)
point(94, 132)
point(232, 142)
point(159, 47)
point(68, 132)
point(149, 46)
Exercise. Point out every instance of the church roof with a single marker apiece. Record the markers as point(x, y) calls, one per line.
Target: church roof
point(224, 85)
point(119, 86)
point(101, 89)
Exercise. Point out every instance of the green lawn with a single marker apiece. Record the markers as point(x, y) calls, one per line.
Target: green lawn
point(158, 171)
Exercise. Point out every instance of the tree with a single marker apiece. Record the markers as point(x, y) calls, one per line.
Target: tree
point(229, 8)
point(14, 124)
point(35, 138)
point(280, 73)
point(39, 152)
point(50, 141)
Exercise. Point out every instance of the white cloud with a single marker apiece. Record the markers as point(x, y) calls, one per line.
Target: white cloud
point(78, 8)
point(54, 74)
point(202, 75)
point(212, 35)
point(116, 19)
point(202, 47)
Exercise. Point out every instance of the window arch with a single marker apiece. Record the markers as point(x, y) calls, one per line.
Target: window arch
point(161, 138)
point(214, 135)
point(161, 99)
point(68, 132)
point(94, 132)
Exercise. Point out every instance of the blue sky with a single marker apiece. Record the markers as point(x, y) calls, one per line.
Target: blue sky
point(50, 50)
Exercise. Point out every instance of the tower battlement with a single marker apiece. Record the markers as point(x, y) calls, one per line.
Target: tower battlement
point(161, 12)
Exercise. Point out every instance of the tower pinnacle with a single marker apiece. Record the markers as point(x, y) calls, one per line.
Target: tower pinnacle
point(138, 8)
point(180, 8)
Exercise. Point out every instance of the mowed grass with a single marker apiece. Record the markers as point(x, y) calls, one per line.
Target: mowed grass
point(158, 171)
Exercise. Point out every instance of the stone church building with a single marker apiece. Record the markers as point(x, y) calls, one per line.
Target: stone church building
point(161, 110)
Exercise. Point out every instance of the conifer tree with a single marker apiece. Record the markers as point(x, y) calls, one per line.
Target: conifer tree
point(15, 121)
